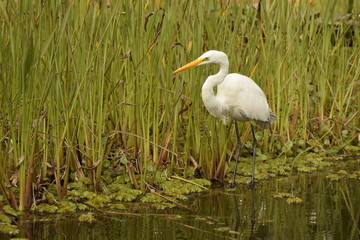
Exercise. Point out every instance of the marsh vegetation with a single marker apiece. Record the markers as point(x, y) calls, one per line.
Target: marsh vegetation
point(92, 115)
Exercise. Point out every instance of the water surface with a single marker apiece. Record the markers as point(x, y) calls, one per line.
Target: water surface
point(330, 210)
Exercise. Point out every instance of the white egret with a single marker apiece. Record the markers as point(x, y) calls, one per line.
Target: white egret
point(237, 97)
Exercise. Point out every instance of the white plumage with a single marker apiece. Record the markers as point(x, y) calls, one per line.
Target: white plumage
point(237, 97)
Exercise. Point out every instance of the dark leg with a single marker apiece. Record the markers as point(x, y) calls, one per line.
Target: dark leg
point(237, 156)
point(237, 214)
point(252, 183)
point(253, 221)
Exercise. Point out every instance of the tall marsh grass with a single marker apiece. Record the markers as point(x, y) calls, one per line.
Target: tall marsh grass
point(87, 87)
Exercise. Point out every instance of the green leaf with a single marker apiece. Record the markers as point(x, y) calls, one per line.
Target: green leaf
point(44, 207)
point(124, 160)
point(87, 217)
point(8, 228)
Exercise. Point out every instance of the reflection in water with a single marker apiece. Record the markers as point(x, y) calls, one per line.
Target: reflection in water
point(331, 210)
point(237, 213)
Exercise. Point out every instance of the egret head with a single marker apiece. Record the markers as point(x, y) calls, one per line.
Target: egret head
point(211, 56)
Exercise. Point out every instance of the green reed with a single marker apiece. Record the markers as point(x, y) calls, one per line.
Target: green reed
point(84, 83)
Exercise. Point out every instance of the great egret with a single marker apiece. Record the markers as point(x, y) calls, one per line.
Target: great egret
point(237, 97)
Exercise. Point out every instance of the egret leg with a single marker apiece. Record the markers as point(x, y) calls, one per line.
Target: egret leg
point(252, 183)
point(237, 156)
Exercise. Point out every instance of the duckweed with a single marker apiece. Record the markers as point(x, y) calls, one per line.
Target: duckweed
point(47, 208)
point(334, 177)
point(306, 169)
point(4, 218)
point(8, 228)
point(8, 209)
point(87, 217)
point(67, 208)
point(99, 201)
point(125, 194)
point(152, 198)
point(355, 175)
point(294, 201)
point(284, 195)
point(118, 206)
point(177, 187)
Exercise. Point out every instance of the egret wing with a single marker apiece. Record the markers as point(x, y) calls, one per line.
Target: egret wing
point(243, 99)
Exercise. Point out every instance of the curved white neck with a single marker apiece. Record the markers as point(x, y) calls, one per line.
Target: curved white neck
point(212, 104)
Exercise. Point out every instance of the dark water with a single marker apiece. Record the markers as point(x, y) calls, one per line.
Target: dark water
point(330, 210)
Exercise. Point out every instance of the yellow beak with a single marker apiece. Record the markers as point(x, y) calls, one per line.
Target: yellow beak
point(190, 65)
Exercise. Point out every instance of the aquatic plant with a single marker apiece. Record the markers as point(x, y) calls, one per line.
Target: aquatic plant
point(8, 228)
point(87, 217)
point(88, 94)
